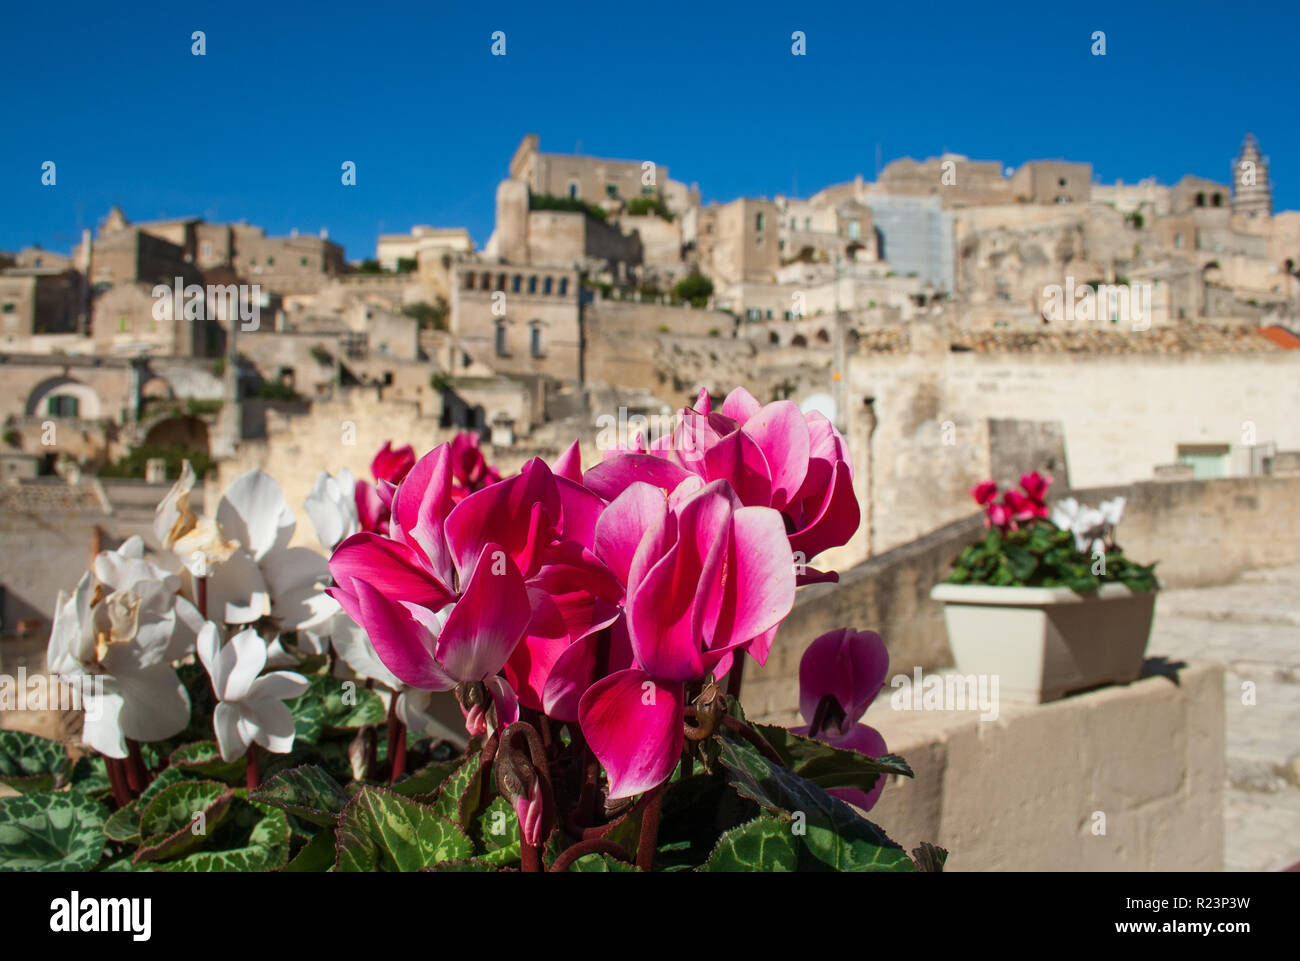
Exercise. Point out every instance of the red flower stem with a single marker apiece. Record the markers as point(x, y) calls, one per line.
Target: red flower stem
point(136, 777)
point(530, 861)
point(589, 846)
point(254, 774)
point(392, 739)
point(645, 849)
point(117, 780)
point(753, 737)
point(399, 752)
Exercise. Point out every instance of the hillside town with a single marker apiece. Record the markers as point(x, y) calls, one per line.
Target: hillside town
point(922, 312)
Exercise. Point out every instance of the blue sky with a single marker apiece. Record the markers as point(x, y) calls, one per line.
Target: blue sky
point(259, 127)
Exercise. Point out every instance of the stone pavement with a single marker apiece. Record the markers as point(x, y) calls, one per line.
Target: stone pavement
point(1252, 627)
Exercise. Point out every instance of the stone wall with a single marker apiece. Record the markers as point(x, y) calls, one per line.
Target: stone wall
point(1028, 791)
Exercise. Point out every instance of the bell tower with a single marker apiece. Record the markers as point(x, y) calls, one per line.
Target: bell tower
point(1252, 194)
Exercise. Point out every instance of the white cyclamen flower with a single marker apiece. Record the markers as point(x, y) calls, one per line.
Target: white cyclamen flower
point(332, 507)
point(251, 571)
point(251, 708)
point(126, 640)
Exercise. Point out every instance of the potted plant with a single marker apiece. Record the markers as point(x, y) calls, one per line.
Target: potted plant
point(1046, 600)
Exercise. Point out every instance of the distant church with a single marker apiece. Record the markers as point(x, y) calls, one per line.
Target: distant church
point(1252, 195)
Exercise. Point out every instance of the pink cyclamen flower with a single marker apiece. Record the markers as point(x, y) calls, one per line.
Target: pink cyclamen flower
point(840, 674)
point(771, 455)
point(441, 602)
point(1035, 485)
point(984, 493)
point(708, 577)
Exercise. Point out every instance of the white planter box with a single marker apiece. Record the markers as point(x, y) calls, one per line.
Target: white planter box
point(1046, 642)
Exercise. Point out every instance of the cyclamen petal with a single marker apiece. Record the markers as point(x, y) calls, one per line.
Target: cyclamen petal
point(623, 524)
point(488, 619)
point(403, 644)
point(781, 432)
point(633, 725)
point(849, 665)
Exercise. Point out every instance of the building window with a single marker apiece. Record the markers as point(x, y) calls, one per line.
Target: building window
point(501, 282)
point(502, 350)
point(487, 281)
point(207, 249)
point(532, 284)
point(1178, 241)
point(647, 191)
point(469, 281)
point(535, 339)
point(1061, 182)
point(573, 190)
point(62, 405)
point(546, 286)
point(564, 286)
point(611, 190)
point(807, 223)
point(302, 261)
point(270, 261)
point(7, 308)
point(1218, 200)
point(122, 322)
point(758, 221)
point(514, 284)
point(853, 230)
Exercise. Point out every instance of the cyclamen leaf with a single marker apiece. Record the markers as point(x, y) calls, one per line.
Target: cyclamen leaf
point(498, 826)
point(827, 766)
point(329, 705)
point(51, 832)
point(602, 864)
point(30, 763)
point(308, 792)
point(165, 779)
point(383, 831)
point(123, 825)
point(764, 844)
point(427, 780)
point(181, 818)
point(252, 837)
point(458, 797)
point(317, 855)
point(834, 834)
point(204, 758)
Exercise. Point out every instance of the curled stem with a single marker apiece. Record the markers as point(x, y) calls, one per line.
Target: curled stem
point(589, 846)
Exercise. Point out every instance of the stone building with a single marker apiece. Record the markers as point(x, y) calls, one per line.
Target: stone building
point(517, 320)
point(607, 183)
point(423, 241)
point(38, 300)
